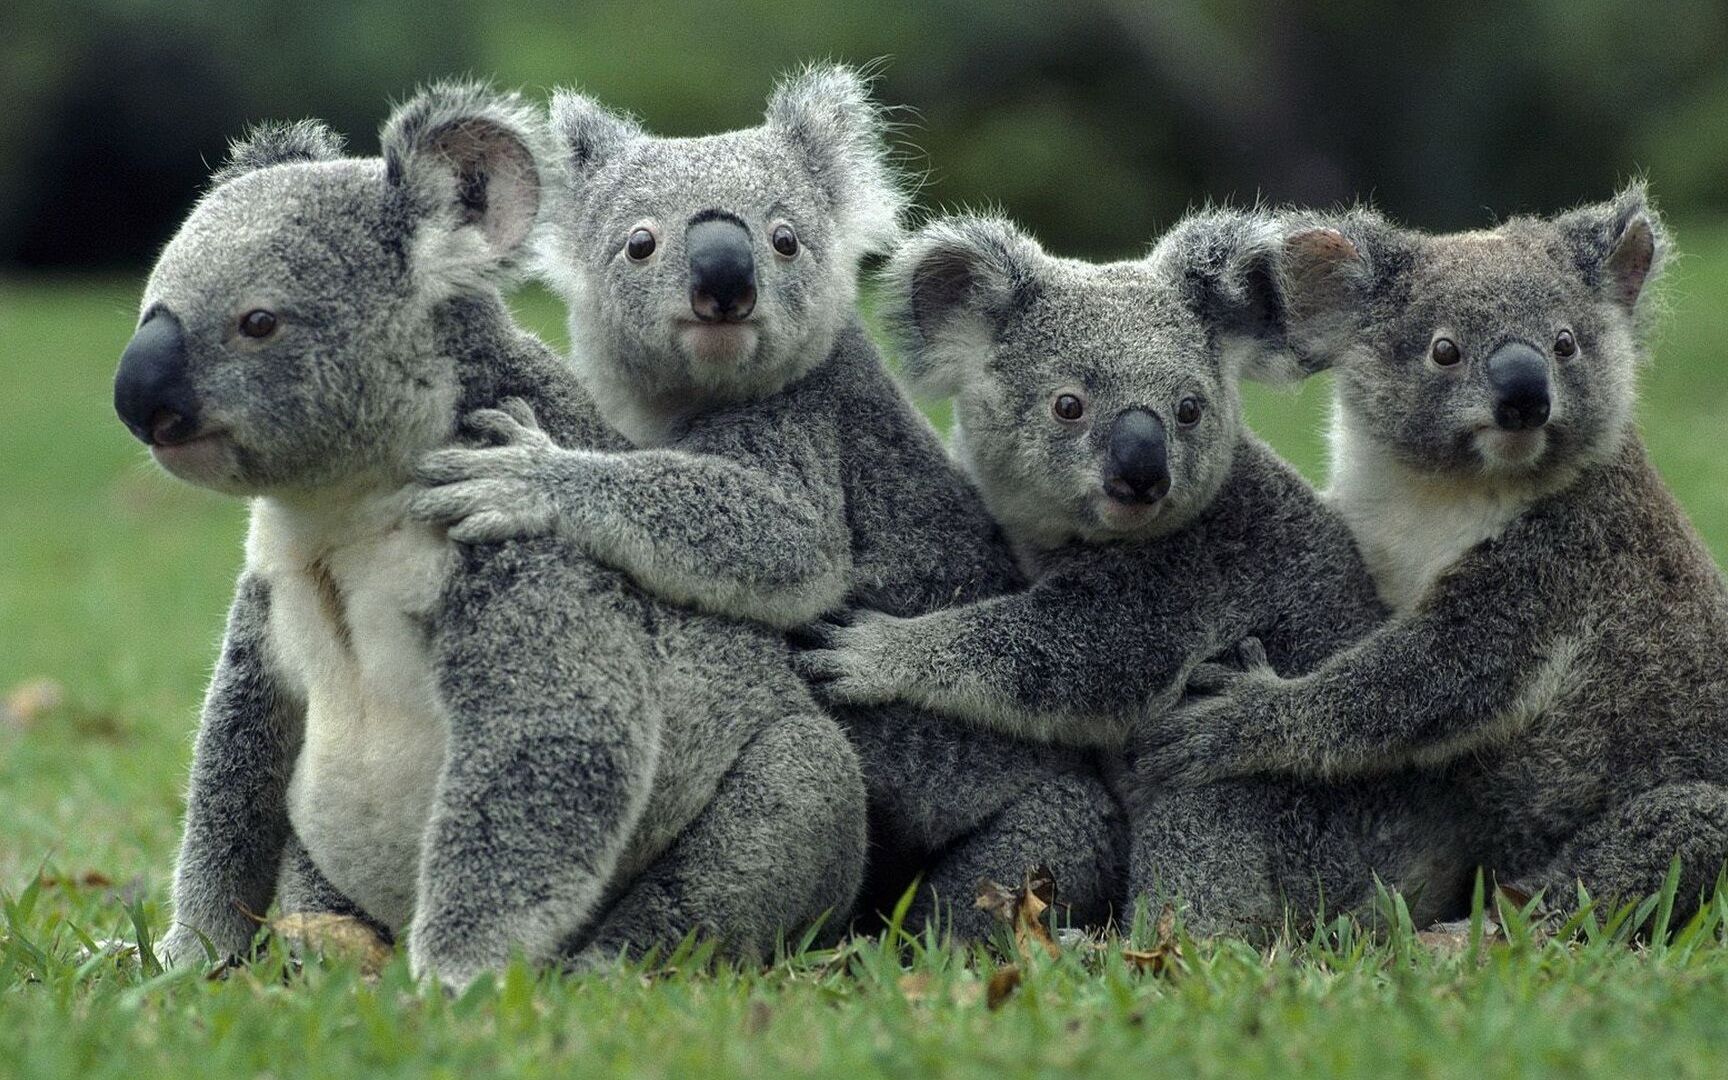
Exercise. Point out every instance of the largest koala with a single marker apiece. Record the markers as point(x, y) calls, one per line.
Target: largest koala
point(1556, 649)
point(496, 748)
point(712, 285)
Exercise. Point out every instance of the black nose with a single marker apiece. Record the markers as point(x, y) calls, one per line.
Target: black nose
point(152, 393)
point(1137, 463)
point(1518, 375)
point(722, 270)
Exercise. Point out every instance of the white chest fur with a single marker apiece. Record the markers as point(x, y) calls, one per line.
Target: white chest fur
point(1411, 528)
point(352, 589)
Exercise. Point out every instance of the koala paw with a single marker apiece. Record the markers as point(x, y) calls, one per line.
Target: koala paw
point(1190, 746)
point(1246, 659)
point(491, 493)
point(455, 974)
point(848, 662)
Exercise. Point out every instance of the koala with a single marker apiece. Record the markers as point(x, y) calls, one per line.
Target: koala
point(1098, 408)
point(497, 749)
point(1555, 650)
point(779, 472)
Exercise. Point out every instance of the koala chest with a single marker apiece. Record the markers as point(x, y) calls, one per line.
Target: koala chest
point(349, 627)
point(1408, 533)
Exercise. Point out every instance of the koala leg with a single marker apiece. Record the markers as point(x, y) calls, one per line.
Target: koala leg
point(1625, 854)
point(1243, 856)
point(1067, 821)
point(302, 889)
point(780, 845)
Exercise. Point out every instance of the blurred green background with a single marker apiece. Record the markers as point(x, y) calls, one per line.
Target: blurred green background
point(1094, 122)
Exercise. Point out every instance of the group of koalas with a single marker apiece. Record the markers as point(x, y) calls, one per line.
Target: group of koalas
point(701, 630)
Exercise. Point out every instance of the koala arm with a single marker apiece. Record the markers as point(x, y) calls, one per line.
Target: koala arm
point(1070, 660)
point(237, 806)
point(742, 518)
point(1485, 651)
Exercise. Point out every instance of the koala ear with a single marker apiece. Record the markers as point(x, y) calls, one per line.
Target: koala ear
point(278, 143)
point(590, 134)
point(1620, 246)
point(1324, 274)
point(1226, 264)
point(827, 114)
point(469, 159)
point(947, 290)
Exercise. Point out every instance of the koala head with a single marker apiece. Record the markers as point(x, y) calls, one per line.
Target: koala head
point(1091, 401)
point(1508, 355)
point(720, 268)
point(287, 338)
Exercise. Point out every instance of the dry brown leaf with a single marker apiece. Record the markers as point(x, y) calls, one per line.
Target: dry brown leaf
point(89, 879)
point(756, 1021)
point(915, 986)
point(1003, 982)
point(30, 701)
point(1023, 909)
point(340, 937)
point(1455, 936)
point(1165, 955)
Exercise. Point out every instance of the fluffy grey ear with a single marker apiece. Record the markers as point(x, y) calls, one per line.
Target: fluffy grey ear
point(1225, 264)
point(470, 161)
point(1620, 246)
point(1326, 270)
point(276, 143)
point(828, 115)
point(948, 288)
point(589, 133)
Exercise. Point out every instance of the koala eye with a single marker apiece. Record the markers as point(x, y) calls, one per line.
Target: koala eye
point(640, 245)
point(785, 241)
point(1068, 407)
point(1565, 344)
point(258, 323)
point(1188, 412)
point(1445, 352)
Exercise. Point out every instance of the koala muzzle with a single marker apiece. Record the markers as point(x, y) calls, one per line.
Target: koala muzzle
point(722, 270)
point(1518, 375)
point(1137, 462)
point(152, 391)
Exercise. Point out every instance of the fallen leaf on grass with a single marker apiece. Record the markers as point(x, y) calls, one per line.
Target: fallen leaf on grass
point(1165, 955)
point(1455, 936)
point(339, 937)
point(1023, 909)
point(89, 879)
point(1003, 982)
point(915, 986)
point(29, 701)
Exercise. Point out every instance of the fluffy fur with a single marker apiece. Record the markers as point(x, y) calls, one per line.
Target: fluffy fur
point(1556, 653)
point(786, 476)
point(492, 748)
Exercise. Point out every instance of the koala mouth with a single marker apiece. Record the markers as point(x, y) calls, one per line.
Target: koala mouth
point(1511, 449)
point(718, 342)
point(204, 455)
point(1118, 515)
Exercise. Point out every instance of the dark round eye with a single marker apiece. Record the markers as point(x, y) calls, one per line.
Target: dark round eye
point(1068, 407)
point(258, 323)
point(1188, 412)
point(785, 241)
point(1565, 344)
point(640, 245)
point(1446, 352)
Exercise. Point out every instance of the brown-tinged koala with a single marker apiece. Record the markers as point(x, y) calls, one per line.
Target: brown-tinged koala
point(781, 474)
point(1556, 652)
point(497, 748)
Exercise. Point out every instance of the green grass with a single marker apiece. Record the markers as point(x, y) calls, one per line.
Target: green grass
point(113, 584)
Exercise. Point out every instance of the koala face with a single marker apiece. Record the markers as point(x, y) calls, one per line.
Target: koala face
point(1509, 354)
point(286, 340)
point(717, 269)
point(1091, 402)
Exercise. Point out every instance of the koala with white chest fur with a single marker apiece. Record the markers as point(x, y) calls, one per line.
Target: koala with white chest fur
point(1556, 649)
point(781, 474)
point(1098, 407)
point(494, 748)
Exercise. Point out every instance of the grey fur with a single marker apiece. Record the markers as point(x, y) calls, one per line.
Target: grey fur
point(784, 475)
point(1126, 604)
point(606, 767)
point(1557, 649)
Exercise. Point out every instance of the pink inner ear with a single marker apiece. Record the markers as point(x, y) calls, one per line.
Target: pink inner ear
point(1629, 266)
point(1314, 248)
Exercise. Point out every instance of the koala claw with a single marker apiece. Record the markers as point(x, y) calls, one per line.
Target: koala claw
point(1188, 747)
point(1247, 658)
point(513, 423)
point(844, 659)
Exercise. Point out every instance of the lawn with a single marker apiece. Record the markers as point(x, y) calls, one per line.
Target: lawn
point(113, 584)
